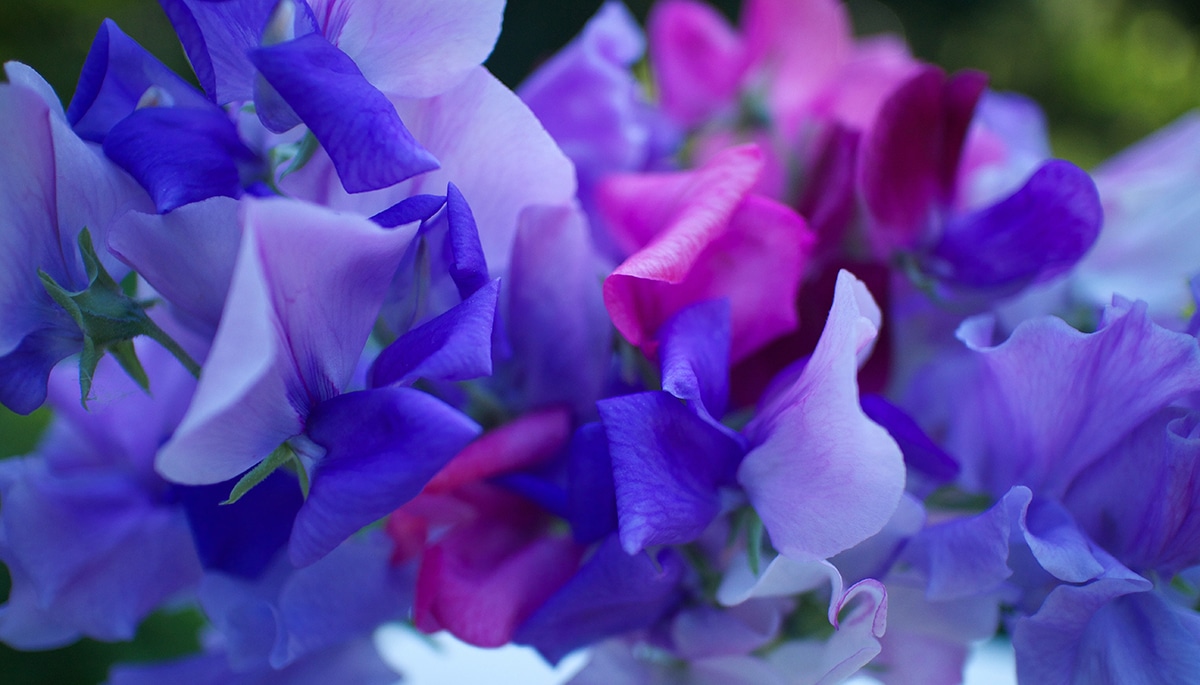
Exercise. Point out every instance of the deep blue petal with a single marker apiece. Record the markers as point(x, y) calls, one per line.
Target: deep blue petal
point(455, 346)
point(408, 210)
point(180, 156)
point(1036, 233)
point(382, 447)
point(25, 370)
point(468, 267)
point(355, 123)
point(217, 37)
point(920, 453)
point(667, 466)
point(591, 495)
point(242, 538)
point(612, 593)
point(116, 74)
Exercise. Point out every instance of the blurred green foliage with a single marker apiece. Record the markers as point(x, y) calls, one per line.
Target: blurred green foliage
point(1108, 72)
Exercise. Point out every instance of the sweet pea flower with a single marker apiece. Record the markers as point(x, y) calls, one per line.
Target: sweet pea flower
point(274, 375)
point(910, 173)
point(57, 186)
point(702, 234)
point(1086, 441)
point(332, 65)
point(94, 540)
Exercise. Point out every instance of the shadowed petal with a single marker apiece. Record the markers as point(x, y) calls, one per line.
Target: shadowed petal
point(612, 593)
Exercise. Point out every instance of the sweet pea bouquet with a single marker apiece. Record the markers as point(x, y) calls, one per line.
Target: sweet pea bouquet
point(719, 354)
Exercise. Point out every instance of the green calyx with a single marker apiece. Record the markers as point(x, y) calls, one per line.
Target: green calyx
point(109, 320)
point(283, 457)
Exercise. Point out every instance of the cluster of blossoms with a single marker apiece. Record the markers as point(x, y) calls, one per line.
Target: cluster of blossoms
point(749, 371)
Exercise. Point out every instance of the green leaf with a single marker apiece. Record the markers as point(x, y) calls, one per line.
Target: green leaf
point(282, 455)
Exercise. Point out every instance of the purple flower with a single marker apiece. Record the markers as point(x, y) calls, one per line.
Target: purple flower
point(56, 185)
point(910, 174)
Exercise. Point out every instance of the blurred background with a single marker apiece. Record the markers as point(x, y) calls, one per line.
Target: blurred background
point(1107, 72)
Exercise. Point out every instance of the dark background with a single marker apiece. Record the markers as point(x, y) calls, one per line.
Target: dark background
point(1108, 72)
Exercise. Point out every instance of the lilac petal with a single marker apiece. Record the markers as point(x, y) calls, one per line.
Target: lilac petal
point(1033, 235)
point(695, 356)
point(859, 613)
point(920, 453)
point(1136, 637)
point(667, 466)
point(217, 37)
point(99, 554)
point(408, 210)
point(1150, 210)
point(55, 185)
point(187, 256)
point(473, 130)
point(967, 556)
point(594, 107)
point(356, 661)
point(1081, 632)
point(1050, 401)
point(560, 334)
point(348, 594)
point(241, 538)
point(305, 293)
point(455, 346)
point(815, 451)
point(706, 631)
point(115, 76)
point(382, 446)
point(591, 494)
point(369, 145)
point(1155, 523)
point(418, 48)
point(287, 615)
point(180, 156)
point(612, 593)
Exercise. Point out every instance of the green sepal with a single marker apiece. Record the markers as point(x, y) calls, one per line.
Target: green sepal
point(109, 319)
point(754, 541)
point(296, 154)
point(282, 455)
